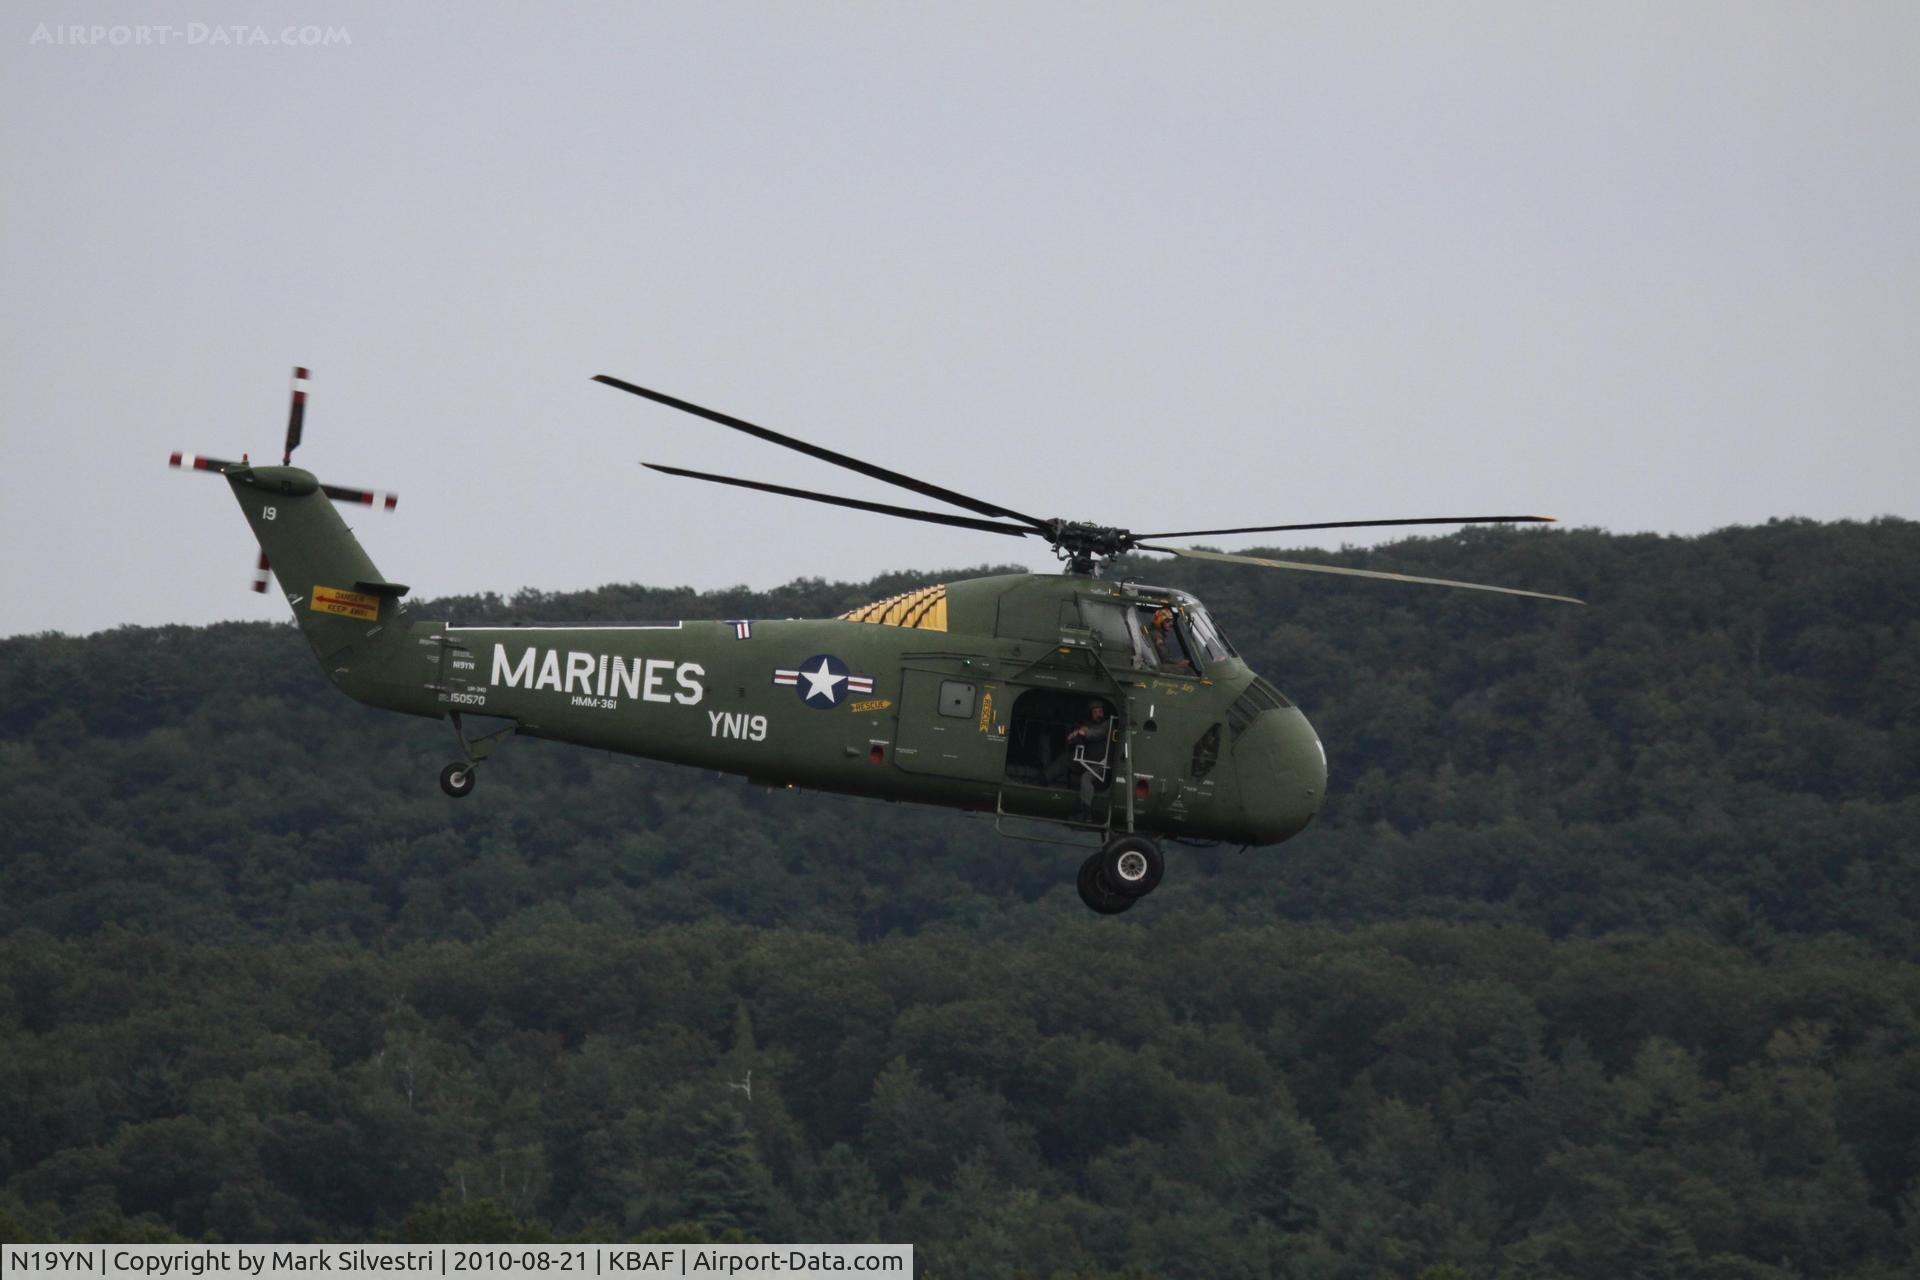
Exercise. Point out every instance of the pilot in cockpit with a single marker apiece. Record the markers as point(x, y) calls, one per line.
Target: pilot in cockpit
point(1168, 647)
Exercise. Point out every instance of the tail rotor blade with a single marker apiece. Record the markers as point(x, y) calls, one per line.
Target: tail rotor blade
point(260, 572)
point(378, 498)
point(296, 415)
point(198, 462)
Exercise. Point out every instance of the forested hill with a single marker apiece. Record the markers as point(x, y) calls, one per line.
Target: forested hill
point(1601, 960)
point(1732, 724)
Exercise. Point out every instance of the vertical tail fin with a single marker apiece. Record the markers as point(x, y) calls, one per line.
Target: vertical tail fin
point(348, 612)
point(336, 593)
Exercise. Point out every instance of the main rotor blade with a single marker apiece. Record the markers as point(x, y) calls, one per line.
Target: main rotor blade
point(906, 513)
point(1194, 553)
point(1353, 524)
point(920, 487)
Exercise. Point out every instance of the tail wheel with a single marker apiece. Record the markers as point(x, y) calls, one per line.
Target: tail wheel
point(457, 779)
point(1095, 893)
point(1131, 866)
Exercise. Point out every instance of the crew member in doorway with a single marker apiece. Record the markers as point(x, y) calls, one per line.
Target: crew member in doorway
point(1088, 746)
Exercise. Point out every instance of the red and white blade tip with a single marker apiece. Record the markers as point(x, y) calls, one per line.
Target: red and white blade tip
point(260, 573)
point(365, 497)
point(196, 462)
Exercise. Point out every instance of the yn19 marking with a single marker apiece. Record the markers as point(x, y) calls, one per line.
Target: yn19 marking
point(737, 724)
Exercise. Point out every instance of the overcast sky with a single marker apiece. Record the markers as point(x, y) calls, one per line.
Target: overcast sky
point(1637, 266)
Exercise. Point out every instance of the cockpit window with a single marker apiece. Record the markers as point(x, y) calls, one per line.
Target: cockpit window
point(1116, 633)
point(1172, 634)
point(1208, 636)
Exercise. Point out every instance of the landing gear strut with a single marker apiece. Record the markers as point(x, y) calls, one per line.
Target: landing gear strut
point(457, 779)
point(1127, 869)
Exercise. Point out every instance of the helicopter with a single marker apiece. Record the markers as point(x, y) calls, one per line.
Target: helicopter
point(1111, 716)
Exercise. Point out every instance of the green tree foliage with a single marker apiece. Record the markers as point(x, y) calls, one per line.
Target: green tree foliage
point(725, 1186)
point(454, 1221)
point(1601, 961)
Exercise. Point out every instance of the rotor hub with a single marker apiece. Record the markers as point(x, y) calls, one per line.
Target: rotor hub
point(1083, 545)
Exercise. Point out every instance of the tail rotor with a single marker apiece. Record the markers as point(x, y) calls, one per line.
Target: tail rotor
point(378, 499)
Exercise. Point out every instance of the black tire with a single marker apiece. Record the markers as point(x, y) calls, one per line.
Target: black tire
point(457, 779)
point(1132, 866)
point(1095, 893)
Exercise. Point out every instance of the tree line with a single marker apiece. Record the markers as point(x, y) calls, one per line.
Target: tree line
point(1600, 961)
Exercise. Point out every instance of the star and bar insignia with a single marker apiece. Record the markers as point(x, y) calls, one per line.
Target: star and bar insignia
point(823, 681)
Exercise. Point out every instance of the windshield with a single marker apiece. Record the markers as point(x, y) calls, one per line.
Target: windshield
point(1160, 630)
point(1212, 643)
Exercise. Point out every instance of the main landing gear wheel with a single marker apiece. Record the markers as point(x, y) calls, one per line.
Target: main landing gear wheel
point(1126, 870)
point(1132, 866)
point(457, 778)
point(1095, 893)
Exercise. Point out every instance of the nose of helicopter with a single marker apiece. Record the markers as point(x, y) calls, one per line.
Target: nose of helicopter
point(1282, 770)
